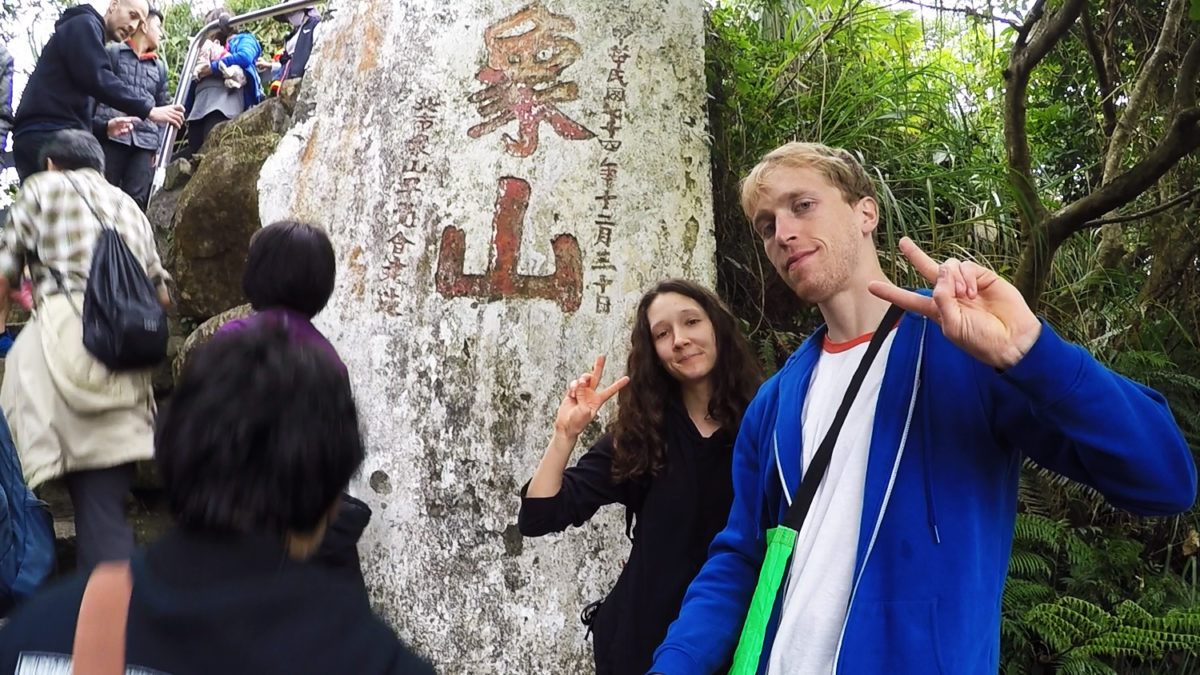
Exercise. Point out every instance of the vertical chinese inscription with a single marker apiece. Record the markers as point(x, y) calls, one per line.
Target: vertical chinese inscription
point(414, 169)
point(605, 217)
point(527, 53)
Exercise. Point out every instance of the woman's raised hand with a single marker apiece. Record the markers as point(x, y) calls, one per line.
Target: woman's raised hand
point(582, 401)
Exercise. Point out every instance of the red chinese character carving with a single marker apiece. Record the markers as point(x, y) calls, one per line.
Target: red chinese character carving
point(500, 280)
point(527, 53)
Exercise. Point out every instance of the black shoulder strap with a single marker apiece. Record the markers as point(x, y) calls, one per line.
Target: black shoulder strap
point(815, 472)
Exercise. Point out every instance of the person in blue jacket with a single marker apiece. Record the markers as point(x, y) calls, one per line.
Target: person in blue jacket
point(900, 563)
point(209, 101)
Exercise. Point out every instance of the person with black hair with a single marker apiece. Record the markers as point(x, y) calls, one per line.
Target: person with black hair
point(70, 415)
point(73, 73)
point(129, 158)
point(289, 276)
point(252, 479)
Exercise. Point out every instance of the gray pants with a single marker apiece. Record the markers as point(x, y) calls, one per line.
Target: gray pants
point(101, 531)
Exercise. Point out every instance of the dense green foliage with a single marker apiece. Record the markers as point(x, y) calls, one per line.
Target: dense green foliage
point(919, 96)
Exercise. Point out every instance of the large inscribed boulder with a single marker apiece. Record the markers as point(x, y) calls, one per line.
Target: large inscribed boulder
point(501, 180)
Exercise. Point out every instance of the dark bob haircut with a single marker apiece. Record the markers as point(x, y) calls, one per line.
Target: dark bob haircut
point(72, 149)
point(290, 265)
point(261, 435)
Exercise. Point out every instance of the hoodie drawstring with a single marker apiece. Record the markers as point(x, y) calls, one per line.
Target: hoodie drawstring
point(927, 455)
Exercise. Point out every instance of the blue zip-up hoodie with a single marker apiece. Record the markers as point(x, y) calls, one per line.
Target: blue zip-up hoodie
point(941, 491)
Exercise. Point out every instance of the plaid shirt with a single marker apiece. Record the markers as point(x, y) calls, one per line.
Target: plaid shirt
point(51, 221)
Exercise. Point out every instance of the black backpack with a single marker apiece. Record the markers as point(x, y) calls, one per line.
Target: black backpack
point(124, 324)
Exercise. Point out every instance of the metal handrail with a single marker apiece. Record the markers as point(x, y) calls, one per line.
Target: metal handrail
point(189, 63)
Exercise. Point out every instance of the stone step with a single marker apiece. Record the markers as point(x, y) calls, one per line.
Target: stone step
point(147, 509)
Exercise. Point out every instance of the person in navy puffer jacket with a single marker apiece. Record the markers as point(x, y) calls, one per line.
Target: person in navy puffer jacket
point(129, 157)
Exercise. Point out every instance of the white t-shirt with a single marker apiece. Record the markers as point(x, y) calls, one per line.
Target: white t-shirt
point(822, 572)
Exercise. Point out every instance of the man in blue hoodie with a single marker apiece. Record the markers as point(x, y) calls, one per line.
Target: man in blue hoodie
point(73, 73)
point(901, 560)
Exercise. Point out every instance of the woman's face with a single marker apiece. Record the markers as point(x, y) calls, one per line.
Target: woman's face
point(683, 337)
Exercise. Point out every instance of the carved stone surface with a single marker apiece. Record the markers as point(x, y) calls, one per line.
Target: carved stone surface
point(501, 181)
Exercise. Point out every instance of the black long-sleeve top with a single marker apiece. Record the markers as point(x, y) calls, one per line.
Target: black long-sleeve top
point(679, 511)
point(73, 73)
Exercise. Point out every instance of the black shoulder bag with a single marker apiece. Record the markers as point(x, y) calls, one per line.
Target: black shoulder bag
point(124, 324)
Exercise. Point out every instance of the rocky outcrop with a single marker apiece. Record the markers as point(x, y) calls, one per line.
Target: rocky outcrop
point(204, 333)
point(217, 211)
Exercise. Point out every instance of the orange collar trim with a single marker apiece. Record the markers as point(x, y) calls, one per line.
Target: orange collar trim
point(831, 347)
point(143, 56)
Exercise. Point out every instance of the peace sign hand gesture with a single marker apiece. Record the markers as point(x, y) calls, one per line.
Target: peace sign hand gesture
point(581, 402)
point(981, 313)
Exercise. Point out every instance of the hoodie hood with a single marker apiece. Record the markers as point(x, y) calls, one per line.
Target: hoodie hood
point(77, 10)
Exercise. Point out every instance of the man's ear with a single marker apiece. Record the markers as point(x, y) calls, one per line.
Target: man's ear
point(867, 210)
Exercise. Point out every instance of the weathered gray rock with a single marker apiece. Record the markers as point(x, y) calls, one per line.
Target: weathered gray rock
point(217, 211)
point(202, 335)
point(492, 239)
point(179, 172)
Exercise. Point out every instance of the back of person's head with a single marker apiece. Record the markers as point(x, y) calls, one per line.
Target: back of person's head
point(261, 436)
point(290, 265)
point(224, 29)
point(838, 167)
point(72, 149)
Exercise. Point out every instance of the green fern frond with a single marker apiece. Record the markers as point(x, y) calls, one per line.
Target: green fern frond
point(1029, 565)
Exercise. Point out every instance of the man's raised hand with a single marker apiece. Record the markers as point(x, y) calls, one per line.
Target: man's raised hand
point(581, 402)
point(981, 313)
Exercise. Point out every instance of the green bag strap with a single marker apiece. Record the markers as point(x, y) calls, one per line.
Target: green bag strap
point(781, 540)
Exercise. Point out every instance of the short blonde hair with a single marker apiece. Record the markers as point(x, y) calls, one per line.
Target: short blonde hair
point(838, 166)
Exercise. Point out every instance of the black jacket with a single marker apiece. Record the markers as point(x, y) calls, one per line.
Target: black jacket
point(72, 73)
point(339, 547)
point(223, 604)
point(145, 74)
point(6, 75)
point(679, 511)
point(295, 63)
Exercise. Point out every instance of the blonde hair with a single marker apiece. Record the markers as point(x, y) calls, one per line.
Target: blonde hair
point(839, 167)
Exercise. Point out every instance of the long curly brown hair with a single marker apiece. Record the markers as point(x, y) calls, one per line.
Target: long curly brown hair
point(637, 431)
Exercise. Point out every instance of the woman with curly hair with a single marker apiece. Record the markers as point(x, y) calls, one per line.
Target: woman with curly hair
point(665, 457)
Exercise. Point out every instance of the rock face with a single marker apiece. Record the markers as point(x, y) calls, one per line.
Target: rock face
point(217, 211)
point(202, 335)
point(501, 182)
